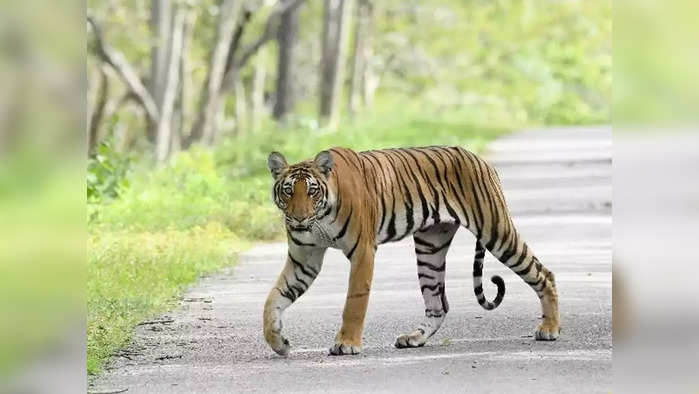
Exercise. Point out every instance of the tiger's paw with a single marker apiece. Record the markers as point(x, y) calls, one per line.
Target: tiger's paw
point(342, 349)
point(277, 342)
point(415, 339)
point(281, 347)
point(547, 331)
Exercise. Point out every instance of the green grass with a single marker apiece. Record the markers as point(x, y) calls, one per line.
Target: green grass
point(175, 222)
point(135, 275)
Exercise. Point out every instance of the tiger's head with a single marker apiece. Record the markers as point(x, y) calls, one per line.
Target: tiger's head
point(301, 190)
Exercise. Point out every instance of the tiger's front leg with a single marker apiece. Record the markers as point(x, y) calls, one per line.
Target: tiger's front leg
point(302, 266)
point(349, 338)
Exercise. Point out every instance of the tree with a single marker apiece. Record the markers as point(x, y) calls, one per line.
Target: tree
point(98, 110)
point(358, 89)
point(257, 95)
point(125, 71)
point(159, 116)
point(172, 81)
point(208, 112)
point(335, 26)
point(165, 94)
point(205, 127)
point(160, 25)
point(287, 39)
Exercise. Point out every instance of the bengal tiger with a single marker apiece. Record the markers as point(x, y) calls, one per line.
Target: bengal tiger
point(355, 201)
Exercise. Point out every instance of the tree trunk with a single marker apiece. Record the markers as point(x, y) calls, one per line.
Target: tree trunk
point(241, 106)
point(181, 117)
point(165, 123)
point(370, 81)
point(126, 72)
point(335, 26)
point(98, 110)
point(258, 92)
point(205, 127)
point(287, 40)
point(161, 28)
point(360, 57)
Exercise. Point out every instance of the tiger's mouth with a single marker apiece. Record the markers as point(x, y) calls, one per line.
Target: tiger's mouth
point(299, 227)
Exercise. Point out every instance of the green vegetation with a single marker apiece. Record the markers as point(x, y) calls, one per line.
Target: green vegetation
point(136, 274)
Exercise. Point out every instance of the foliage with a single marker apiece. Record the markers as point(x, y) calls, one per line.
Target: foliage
point(134, 275)
point(516, 62)
point(106, 173)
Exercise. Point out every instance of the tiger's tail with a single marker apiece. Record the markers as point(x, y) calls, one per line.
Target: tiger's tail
point(478, 282)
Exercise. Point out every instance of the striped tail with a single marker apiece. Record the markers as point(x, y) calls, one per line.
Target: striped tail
point(478, 282)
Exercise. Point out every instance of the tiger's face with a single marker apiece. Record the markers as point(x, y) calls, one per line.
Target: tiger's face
point(301, 190)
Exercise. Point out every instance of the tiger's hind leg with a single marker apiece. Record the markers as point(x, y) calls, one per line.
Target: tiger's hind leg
point(431, 246)
point(515, 254)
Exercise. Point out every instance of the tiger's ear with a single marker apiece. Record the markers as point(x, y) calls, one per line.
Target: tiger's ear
point(276, 163)
point(324, 161)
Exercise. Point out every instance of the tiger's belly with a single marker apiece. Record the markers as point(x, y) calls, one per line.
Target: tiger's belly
point(398, 225)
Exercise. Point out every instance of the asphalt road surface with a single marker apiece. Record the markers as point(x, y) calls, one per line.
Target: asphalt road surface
point(558, 186)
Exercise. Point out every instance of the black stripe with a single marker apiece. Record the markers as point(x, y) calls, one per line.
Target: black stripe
point(383, 184)
point(432, 249)
point(478, 210)
point(345, 159)
point(434, 164)
point(458, 193)
point(525, 271)
point(297, 242)
point(338, 205)
point(391, 230)
point(374, 173)
point(522, 256)
point(291, 296)
point(430, 266)
point(326, 213)
point(450, 210)
point(461, 195)
point(407, 199)
point(418, 187)
point(420, 275)
point(428, 182)
point(511, 248)
point(288, 293)
point(421, 242)
point(351, 252)
point(304, 268)
point(344, 228)
point(303, 282)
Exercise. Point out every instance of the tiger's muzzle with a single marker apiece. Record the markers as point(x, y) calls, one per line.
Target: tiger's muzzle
point(304, 224)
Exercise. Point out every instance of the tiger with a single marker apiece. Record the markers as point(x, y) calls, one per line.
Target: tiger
point(355, 201)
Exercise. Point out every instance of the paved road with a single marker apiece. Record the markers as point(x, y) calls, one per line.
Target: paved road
point(558, 184)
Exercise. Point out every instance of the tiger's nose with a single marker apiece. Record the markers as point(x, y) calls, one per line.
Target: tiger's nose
point(296, 219)
point(300, 223)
